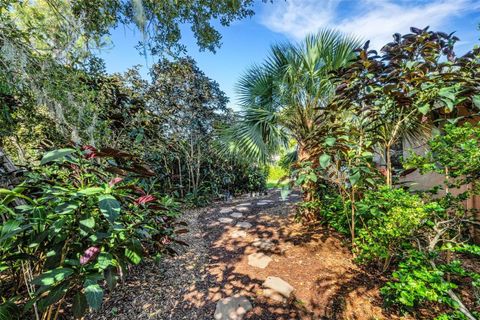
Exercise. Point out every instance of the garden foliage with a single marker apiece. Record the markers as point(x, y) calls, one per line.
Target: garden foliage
point(77, 225)
point(415, 90)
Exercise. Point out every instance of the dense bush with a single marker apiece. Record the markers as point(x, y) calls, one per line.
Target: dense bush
point(75, 228)
point(388, 218)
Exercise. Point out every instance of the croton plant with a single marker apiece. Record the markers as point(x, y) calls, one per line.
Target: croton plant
point(71, 229)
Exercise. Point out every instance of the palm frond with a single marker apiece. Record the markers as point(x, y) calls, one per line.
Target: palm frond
point(282, 96)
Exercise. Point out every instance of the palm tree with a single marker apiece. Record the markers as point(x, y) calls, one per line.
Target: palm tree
point(283, 97)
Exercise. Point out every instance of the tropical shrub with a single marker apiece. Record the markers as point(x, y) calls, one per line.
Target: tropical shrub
point(388, 218)
point(417, 281)
point(71, 229)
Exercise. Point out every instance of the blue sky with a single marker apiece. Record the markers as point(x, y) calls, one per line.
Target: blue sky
point(247, 41)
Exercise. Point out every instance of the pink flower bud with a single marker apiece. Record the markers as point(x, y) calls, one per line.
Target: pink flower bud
point(89, 255)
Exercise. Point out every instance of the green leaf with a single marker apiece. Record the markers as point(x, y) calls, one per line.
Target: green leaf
point(89, 222)
point(79, 305)
point(12, 194)
point(476, 101)
point(67, 207)
point(325, 160)
point(56, 155)
point(52, 276)
point(91, 191)
point(448, 104)
point(53, 296)
point(133, 256)
point(110, 207)
point(10, 229)
point(104, 260)
point(424, 109)
point(111, 278)
point(367, 154)
point(9, 311)
point(354, 178)
point(93, 293)
point(139, 138)
point(448, 92)
point(330, 141)
point(300, 180)
point(134, 252)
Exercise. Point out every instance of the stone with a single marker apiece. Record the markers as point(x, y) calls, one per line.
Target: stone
point(225, 220)
point(244, 224)
point(259, 260)
point(245, 204)
point(226, 210)
point(239, 234)
point(232, 308)
point(237, 215)
point(274, 295)
point(241, 208)
point(263, 244)
point(278, 285)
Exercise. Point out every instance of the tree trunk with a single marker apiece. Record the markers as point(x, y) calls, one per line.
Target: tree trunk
point(180, 176)
point(7, 171)
point(308, 214)
point(8, 176)
point(388, 160)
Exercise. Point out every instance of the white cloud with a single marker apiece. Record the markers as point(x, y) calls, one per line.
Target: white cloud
point(375, 20)
point(296, 18)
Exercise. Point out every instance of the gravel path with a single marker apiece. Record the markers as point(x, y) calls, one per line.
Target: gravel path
point(179, 287)
point(223, 241)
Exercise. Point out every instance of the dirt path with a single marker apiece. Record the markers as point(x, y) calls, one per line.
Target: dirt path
point(327, 284)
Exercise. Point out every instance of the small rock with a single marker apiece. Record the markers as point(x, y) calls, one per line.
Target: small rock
point(278, 285)
point(226, 210)
point(264, 202)
point(274, 295)
point(239, 234)
point(259, 260)
point(236, 215)
point(244, 224)
point(243, 209)
point(232, 308)
point(263, 244)
point(225, 220)
point(245, 204)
